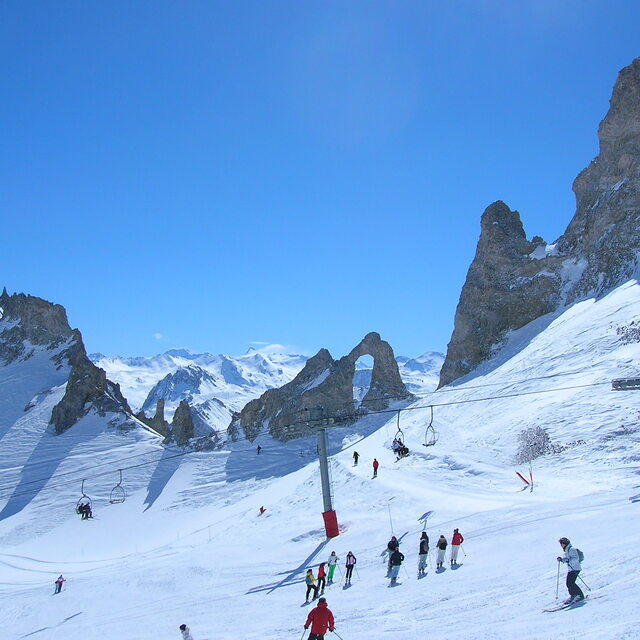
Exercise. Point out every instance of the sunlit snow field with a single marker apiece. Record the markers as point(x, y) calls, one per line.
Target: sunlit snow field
point(189, 546)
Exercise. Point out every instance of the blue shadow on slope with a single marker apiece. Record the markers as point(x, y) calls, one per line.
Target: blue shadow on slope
point(163, 472)
point(290, 575)
point(278, 459)
point(46, 457)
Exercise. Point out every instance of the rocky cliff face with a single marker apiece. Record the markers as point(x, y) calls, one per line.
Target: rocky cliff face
point(182, 424)
point(513, 281)
point(30, 323)
point(327, 383)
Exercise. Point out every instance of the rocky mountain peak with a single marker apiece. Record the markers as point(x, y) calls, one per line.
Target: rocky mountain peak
point(32, 321)
point(513, 281)
point(29, 323)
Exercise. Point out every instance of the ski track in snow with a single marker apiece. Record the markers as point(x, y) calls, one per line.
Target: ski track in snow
point(201, 554)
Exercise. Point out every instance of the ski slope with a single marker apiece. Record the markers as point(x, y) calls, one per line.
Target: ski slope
point(189, 546)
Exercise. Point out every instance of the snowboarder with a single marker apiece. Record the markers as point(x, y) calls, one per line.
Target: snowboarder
point(572, 559)
point(311, 585)
point(186, 632)
point(376, 464)
point(441, 545)
point(395, 560)
point(58, 584)
point(258, 449)
point(392, 545)
point(423, 554)
point(332, 562)
point(319, 619)
point(349, 563)
point(321, 578)
point(356, 455)
point(456, 541)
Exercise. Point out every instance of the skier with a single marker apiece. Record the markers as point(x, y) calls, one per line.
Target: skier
point(376, 464)
point(186, 632)
point(349, 563)
point(423, 554)
point(332, 562)
point(441, 545)
point(262, 510)
point(392, 545)
point(395, 560)
point(258, 449)
point(456, 541)
point(319, 618)
point(356, 455)
point(311, 585)
point(58, 584)
point(572, 559)
point(321, 578)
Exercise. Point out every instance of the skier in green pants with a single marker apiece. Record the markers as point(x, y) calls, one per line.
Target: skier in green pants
point(332, 562)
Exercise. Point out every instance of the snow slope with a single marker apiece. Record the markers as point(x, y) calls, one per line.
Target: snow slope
point(189, 546)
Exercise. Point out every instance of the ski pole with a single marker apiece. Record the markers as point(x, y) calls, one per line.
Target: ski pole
point(339, 636)
point(584, 583)
point(463, 551)
point(357, 572)
point(558, 581)
point(340, 570)
point(303, 632)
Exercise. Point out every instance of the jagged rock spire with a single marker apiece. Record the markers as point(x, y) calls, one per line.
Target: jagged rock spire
point(512, 281)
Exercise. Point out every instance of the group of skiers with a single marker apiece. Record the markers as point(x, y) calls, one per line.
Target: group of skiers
point(375, 464)
point(321, 618)
point(317, 585)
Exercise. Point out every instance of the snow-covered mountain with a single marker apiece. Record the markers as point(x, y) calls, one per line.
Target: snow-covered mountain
point(421, 374)
point(189, 545)
point(215, 386)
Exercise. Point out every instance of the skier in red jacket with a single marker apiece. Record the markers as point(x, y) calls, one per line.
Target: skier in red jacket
point(376, 464)
point(456, 541)
point(319, 618)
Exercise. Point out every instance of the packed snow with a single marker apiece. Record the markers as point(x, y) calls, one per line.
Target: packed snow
point(189, 544)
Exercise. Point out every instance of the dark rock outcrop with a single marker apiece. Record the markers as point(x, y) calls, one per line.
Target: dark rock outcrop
point(157, 422)
point(182, 424)
point(31, 322)
point(513, 281)
point(327, 383)
point(35, 323)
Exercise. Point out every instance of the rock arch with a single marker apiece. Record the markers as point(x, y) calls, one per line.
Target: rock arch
point(327, 383)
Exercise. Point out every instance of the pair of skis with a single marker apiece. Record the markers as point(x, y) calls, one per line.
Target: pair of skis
point(572, 605)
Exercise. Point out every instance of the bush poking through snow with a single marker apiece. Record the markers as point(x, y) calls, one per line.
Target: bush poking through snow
point(533, 443)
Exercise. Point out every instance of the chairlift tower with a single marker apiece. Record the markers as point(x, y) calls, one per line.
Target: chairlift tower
point(318, 422)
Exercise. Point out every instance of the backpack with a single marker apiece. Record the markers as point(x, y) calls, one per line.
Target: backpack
point(580, 555)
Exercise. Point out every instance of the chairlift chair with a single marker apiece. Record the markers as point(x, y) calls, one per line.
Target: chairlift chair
point(118, 494)
point(84, 499)
point(430, 435)
point(402, 450)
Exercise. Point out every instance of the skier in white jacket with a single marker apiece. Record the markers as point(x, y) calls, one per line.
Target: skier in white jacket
point(572, 560)
point(186, 633)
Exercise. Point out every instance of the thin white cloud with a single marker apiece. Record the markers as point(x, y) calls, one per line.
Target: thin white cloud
point(268, 347)
point(158, 336)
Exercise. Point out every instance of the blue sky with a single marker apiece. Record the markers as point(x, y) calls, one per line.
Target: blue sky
point(213, 174)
